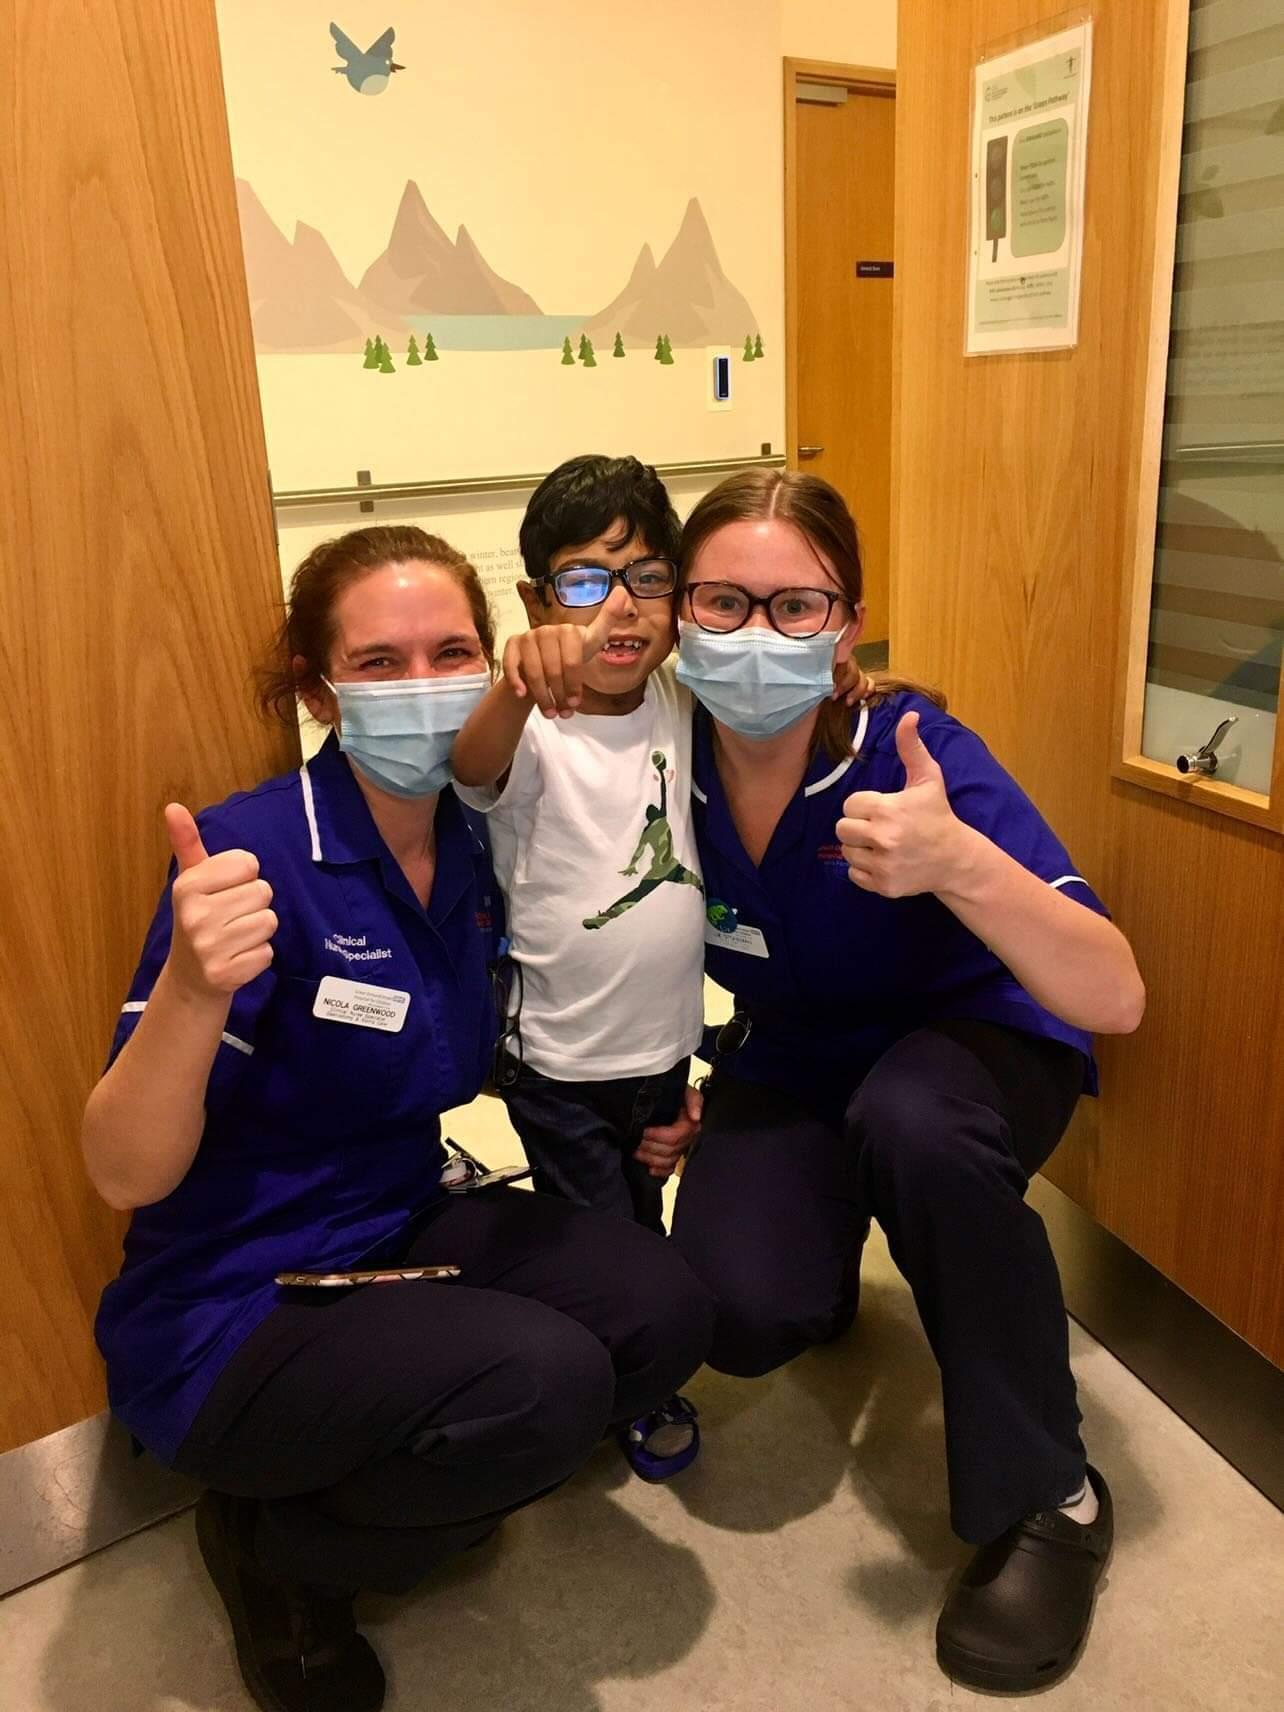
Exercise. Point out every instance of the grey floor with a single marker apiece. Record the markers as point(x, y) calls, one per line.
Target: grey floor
point(800, 1564)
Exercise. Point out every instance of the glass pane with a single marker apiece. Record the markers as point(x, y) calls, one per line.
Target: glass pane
point(1217, 605)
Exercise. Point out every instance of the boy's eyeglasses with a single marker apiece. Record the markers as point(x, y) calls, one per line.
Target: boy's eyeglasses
point(589, 585)
point(724, 607)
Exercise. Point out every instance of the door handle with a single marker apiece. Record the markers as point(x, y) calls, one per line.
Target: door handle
point(1205, 759)
point(810, 451)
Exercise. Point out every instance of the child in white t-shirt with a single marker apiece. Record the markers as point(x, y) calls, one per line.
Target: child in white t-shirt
point(589, 812)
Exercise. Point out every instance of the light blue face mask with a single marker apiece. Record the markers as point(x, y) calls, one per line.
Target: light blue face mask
point(400, 732)
point(754, 680)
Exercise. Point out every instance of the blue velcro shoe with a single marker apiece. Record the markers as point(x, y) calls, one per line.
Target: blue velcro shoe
point(663, 1443)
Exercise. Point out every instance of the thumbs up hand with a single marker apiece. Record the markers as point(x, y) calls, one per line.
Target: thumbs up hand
point(223, 922)
point(901, 843)
point(547, 663)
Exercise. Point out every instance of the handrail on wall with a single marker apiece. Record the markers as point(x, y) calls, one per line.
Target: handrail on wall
point(1230, 452)
point(368, 491)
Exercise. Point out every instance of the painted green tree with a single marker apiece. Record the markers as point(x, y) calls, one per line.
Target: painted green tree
point(746, 355)
point(666, 356)
point(757, 349)
point(586, 356)
point(568, 355)
point(619, 346)
point(385, 359)
point(413, 359)
point(372, 360)
point(430, 349)
point(659, 347)
point(584, 345)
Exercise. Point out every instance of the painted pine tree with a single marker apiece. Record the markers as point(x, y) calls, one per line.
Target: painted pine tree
point(385, 359)
point(568, 355)
point(667, 355)
point(659, 347)
point(430, 349)
point(372, 360)
point(757, 348)
point(619, 346)
point(747, 354)
point(587, 357)
point(413, 359)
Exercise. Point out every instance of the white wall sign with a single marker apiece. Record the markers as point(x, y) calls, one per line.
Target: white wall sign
point(1029, 144)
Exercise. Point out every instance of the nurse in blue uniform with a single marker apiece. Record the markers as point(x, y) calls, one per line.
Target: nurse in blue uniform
point(313, 992)
point(919, 967)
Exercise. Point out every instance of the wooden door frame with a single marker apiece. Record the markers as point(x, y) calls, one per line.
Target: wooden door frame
point(1263, 809)
point(871, 80)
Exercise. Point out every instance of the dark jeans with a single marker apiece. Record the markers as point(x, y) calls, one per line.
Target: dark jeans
point(937, 1143)
point(385, 1428)
point(580, 1137)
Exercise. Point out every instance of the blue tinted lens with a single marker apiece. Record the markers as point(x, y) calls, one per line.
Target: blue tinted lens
point(582, 585)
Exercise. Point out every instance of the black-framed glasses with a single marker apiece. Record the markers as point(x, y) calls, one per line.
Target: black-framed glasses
point(506, 990)
point(589, 585)
point(724, 607)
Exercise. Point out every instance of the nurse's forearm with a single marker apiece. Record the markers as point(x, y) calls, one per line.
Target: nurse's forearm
point(485, 748)
point(1070, 959)
point(144, 1120)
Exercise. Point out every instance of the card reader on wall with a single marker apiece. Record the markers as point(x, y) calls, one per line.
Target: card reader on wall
point(719, 372)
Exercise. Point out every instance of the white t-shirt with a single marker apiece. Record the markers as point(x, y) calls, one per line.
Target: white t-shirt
point(612, 961)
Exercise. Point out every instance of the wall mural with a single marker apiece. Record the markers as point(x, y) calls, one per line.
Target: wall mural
point(614, 197)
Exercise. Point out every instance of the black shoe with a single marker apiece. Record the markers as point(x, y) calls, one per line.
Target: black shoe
point(1019, 1615)
point(297, 1646)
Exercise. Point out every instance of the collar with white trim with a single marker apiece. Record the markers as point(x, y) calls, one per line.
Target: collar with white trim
point(821, 775)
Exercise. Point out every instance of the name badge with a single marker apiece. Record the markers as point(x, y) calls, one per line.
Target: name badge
point(750, 940)
point(354, 1002)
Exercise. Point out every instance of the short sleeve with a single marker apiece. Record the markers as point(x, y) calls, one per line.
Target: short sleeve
point(988, 798)
point(519, 790)
point(236, 1049)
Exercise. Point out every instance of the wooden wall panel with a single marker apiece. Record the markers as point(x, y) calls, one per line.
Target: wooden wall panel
point(138, 583)
point(1015, 487)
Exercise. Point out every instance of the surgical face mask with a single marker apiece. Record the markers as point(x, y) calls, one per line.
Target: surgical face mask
point(400, 732)
point(754, 680)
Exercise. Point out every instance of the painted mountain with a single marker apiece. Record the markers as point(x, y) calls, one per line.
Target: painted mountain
point(422, 273)
point(687, 296)
point(300, 298)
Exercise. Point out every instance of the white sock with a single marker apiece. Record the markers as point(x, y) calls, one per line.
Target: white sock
point(1083, 1506)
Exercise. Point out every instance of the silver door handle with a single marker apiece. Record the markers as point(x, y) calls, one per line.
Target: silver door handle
point(1205, 758)
point(810, 451)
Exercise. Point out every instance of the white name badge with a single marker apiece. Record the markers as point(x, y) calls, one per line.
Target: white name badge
point(354, 1002)
point(751, 940)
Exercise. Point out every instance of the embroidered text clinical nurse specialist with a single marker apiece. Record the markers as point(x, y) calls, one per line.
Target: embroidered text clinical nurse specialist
point(314, 992)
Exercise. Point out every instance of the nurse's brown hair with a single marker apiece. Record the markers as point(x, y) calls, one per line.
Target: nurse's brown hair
point(820, 515)
point(307, 630)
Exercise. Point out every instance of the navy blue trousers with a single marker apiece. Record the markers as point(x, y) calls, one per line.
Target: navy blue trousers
point(937, 1143)
point(580, 1137)
point(382, 1429)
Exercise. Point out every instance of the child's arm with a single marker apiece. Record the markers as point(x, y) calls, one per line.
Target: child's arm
point(541, 669)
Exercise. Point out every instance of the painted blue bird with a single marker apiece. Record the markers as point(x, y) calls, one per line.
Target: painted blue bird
point(370, 72)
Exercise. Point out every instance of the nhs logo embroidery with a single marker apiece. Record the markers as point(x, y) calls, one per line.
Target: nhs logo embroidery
point(356, 950)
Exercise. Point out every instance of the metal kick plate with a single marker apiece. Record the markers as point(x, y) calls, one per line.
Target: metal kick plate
point(76, 1491)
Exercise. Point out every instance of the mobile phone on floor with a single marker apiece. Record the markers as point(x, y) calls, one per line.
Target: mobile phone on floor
point(380, 1275)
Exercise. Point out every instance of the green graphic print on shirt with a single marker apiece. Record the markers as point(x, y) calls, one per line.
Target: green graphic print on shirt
point(657, 837)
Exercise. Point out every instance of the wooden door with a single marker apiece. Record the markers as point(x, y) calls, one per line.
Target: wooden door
point(842, 310)
point(1021, 483)
point(138, 582)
